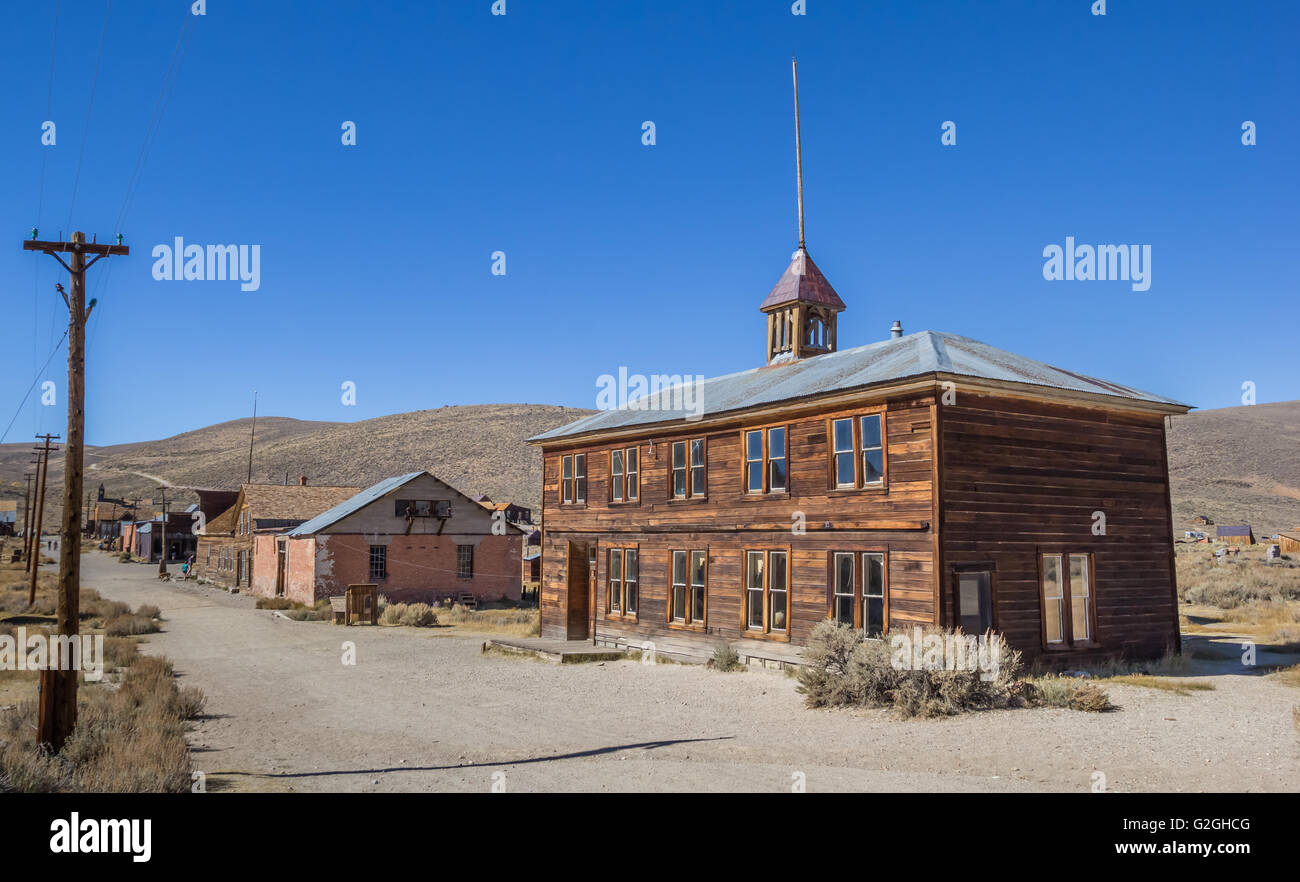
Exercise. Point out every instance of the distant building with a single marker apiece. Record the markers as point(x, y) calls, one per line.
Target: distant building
point(230, 542)
point(514, 514)
point(1242, 534)
point(1202, 521)
point(414, 535)
point(1289, 541)
point(8, 517)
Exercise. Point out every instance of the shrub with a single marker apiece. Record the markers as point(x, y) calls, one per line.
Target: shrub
point(725, 658)
point(1071, 693)
point(275, 603)
point(412, 615)
point(149, 611)
point(130, 625)
point(119, 652)
point(843, 669)
point(190, 700)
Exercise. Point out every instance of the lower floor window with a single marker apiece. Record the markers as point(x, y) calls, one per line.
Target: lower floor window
point(975, 602)
point(767, 591)
point(686, 592)
point(378, 562)
point(464, 561)
point(858, 590)
point(623, 581)
point(1069, 609)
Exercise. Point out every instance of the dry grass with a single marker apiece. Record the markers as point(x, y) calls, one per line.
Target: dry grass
point(128, 740)
point(1071, 693)
point(1288, 676)
point(521, 622)
point(1166, 684)
point(725, 659)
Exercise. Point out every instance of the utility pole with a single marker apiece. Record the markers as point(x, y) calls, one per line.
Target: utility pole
point(27, 510)
point(251, 436)
point(162, 539)
point(34, 556)
point(63, 703)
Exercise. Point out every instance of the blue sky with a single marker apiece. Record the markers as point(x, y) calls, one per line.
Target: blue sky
point(522, 133)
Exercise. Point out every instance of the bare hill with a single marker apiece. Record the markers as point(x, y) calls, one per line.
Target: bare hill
point(477, 449)
point(1239, 465)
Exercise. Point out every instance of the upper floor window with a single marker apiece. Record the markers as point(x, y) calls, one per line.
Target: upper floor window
point(857, 452)
point(421, 508)
point(573, 478)
point(765, 460)
point(624, 477)
point(688, 474)
point(1069, 610)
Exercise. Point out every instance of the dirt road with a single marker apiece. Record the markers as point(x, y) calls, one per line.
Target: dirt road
point(424, 712)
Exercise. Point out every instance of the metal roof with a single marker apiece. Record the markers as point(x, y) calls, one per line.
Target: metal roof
point(802, 281)
point(888, 361)
point(348, 506)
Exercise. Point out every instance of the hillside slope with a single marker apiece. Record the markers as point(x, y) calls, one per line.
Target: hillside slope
point(1238, 465)
point(477, 449)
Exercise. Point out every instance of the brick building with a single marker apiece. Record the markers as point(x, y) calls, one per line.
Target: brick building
point(229, 545)
point(415, 536)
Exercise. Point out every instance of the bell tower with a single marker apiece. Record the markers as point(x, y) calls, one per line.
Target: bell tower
point(802, 309)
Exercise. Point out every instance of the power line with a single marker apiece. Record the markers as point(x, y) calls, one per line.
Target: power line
point(85, 129)
point(155, 122)
point(33, 386)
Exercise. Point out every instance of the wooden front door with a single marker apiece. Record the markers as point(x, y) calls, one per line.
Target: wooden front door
point(579, 591)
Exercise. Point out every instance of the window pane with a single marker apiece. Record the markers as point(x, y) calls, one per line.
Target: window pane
point(679, 568)
point(1052, 611)
point(568, 466)
point(697, 467)
point(616, 475)
point(777, 571)
point(776, 481)
point(631, 463)
point(755, 619)
point(755, 480)
point(776, 443)
point(974, 603)
point(844, 589)
point(873, 466)
point(843, 436)
point(699, 563)
point(697, 452)
point(844, 476)
point(616, 566)
point(873, 574)
point(870, 431)
point(753, 445)
point(755, 569)
point(776, 613)
point(679, 603)
point(697, 604)
point(873, 615)
point(679, 454)
point(1079, 624)
point(630, 567)
point(679, 482)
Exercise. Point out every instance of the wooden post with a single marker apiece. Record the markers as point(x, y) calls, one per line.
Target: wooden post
point(63, 694)
point(162, 539)
point(27, 512)
point(34, 557)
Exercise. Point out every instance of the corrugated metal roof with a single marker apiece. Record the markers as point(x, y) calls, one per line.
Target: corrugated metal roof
point(887, 361)
point(348, 506)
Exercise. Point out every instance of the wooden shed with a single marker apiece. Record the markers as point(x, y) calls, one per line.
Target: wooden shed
point(1289, 541)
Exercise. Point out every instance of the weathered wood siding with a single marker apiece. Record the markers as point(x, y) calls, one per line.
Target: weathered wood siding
point(897, 520)
point(1022, 477)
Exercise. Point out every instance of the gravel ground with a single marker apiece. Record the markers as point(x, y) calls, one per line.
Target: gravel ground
point(421, 711)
